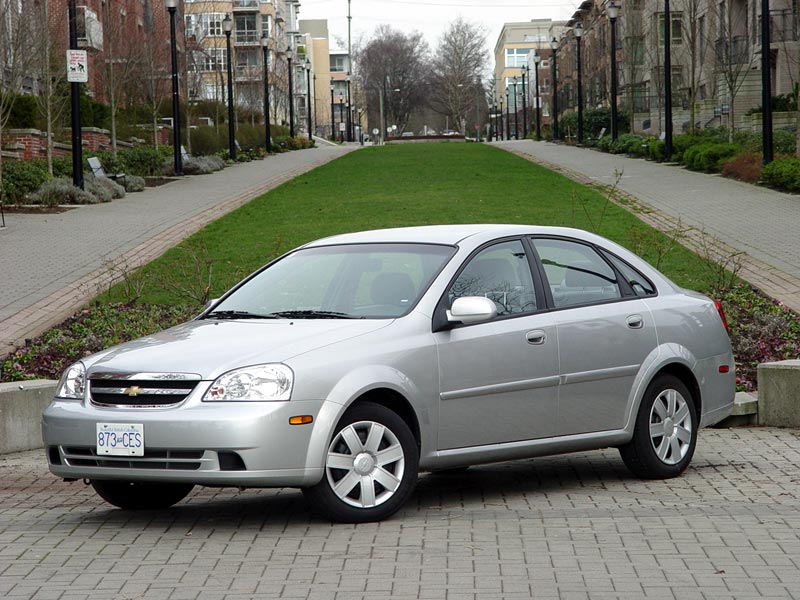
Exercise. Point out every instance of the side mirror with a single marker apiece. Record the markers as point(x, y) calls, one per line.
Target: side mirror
point(472, 309)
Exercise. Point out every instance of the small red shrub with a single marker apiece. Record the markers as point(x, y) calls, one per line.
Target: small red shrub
point(744, 167)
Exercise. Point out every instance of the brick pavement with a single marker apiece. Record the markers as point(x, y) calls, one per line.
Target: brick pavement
point(51, 264)
point(576, 526)
point(734, 216)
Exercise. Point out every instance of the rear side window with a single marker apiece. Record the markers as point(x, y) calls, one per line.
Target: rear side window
point(576, 273)
point(640, 285)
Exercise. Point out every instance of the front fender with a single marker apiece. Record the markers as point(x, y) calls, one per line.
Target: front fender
point(354, 385)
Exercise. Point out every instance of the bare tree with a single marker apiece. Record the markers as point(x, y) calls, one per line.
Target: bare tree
point(457, 70)
point(394, 64)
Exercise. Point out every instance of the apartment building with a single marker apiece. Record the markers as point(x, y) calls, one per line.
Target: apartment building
point(207, 54)
point(715, 60)
point(513, 56)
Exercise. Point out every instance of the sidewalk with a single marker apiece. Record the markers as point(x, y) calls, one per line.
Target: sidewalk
point(51, 264)
point(758, 221)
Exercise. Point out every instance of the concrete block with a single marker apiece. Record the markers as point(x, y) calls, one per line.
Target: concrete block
point(779, 393)
point(21, 406)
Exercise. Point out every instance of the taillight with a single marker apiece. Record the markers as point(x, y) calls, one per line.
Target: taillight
point(721, 312)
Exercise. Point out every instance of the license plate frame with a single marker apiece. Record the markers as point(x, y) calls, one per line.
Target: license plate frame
point(119, 439)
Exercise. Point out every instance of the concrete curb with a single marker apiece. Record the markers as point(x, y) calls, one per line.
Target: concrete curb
point(21, 406)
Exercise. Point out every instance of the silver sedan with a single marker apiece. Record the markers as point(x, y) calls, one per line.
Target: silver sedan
point(349, 364)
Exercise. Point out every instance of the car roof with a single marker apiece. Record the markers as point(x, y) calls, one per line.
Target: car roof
point(444, 234)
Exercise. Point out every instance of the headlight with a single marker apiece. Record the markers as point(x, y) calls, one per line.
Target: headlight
point(73, 383)
point(256, 383)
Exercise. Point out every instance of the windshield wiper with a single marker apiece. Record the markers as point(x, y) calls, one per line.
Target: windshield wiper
point(313, 314)
point(237, 314)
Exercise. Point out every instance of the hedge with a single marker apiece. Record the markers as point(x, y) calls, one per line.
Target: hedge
point(783, 174)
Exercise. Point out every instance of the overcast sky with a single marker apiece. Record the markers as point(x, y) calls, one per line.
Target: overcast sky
point(431, 17)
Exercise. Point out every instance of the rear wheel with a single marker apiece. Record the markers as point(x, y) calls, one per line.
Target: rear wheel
point(370, 467)
point(135, 495)
point(665, 433)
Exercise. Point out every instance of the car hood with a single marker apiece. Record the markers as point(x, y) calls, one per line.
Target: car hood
point(209, 347)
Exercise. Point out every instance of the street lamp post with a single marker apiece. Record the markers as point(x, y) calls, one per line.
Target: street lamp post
point(264, 43)
point(516, 114)
point(508, 118)
point(524, 104)
point(172, 6)
point(613, 12)
point(349, 120)
point(341, 114)
point(75, 105)
point(766, 85)
point(333, 118)
point(578, 35)
point(667, 83)
point(308, 99)
point(554, 48)
point(500, 118)
point(291, 91)
point(227, 27)
point(536, 60)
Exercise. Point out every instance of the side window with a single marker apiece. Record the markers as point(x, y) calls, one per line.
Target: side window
point(500, 273)
point(640, 285)
point(576, 273)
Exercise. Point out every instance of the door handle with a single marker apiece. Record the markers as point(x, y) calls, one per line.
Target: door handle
point(635, 321)
point(537, 337)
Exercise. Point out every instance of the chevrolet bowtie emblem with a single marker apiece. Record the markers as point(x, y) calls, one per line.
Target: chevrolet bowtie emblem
point(134, 390)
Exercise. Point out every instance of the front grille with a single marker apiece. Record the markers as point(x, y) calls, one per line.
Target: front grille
point(179, 460)
point(138, 393)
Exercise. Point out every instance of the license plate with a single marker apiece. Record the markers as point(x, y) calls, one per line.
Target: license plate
point(120, 439)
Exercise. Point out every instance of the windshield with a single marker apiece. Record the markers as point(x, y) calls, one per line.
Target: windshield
point(356, 281)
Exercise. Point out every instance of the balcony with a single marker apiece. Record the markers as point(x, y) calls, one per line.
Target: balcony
point(732, 51)
point(247, 38)
point(248, 73)
point(245, 5)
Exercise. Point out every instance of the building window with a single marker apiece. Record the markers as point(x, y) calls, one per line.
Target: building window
point(516, 57)
point(211, 23)
point(339, 63)
point(215, 59)
point(676, 29)
point(637, 50)
point(266, 24)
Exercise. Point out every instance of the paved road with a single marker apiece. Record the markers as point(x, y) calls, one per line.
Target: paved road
point(576, 526)
point(51, 264)
point(758, 221)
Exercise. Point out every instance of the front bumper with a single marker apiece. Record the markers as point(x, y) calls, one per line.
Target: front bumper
point(248, 444)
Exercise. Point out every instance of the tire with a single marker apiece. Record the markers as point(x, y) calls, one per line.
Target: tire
point(370, 468)
point(131, 495)
point(665, 433)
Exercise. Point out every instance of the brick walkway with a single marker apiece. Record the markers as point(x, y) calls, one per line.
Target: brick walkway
point(50, 265)
point(724, 215)
point(570, 527)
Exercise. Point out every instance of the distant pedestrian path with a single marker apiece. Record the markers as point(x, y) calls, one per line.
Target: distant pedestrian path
point(758, 221)
point(52, 264)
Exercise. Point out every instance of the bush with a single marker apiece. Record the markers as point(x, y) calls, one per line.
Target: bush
point(144, 161)
point(61, 191)
point(62, 166)
point(604, 143)
point(208, 140)
point(744, 167)
point(656, 149)
point(98, 190)
point(23, 111)
point(112, 187)
point(134, 183)
point(628, 143)
point(783, 174)
point(22, 177)
point(707, 157)
point(202, 165)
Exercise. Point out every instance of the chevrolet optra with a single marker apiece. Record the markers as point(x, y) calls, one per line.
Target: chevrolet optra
point(349, 364)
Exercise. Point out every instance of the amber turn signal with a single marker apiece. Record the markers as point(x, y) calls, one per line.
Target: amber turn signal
point(300, 420)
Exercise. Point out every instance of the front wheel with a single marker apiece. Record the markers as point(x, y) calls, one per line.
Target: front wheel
point(370, 467)
point(665, 433)
point(134, 495)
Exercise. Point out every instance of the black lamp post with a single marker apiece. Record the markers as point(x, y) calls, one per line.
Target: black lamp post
point(500, 119)
point(291, 90)
point(227, 27)
point(508, 118)
point(667, 83)
point(264, 43)
point(75, 105)
point(333, 118)
point(349, 120)
point(766, 85)
point(516, 114)
point(536, 60)
point(307, 66)
point(554, 48)
point(341, 115)
point(578, 35)
point(172, 6)
point(612, 10)
point(524, 104)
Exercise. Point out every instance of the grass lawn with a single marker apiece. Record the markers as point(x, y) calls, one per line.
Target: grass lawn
point(395, 186)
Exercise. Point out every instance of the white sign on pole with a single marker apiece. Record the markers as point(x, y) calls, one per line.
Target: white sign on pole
point(77, 66)
point(342, 127)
